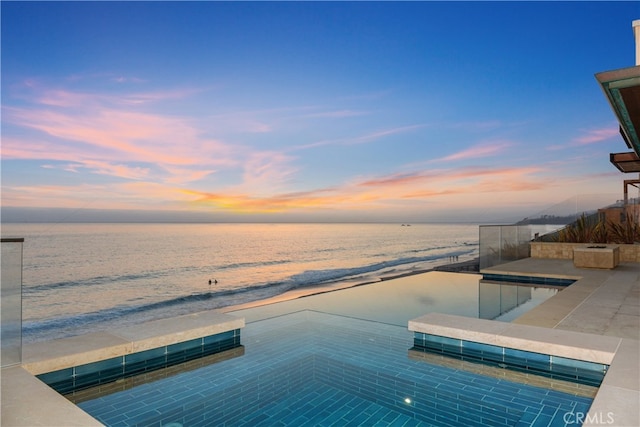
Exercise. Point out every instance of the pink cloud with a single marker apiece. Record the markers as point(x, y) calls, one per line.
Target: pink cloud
point(265, 172)
point(597, 135)
point(116, 136)
point(179, 175)
point(484, 150)
point(130, 135)
point(383, 133)
point(119, 170)
point(417, 187)
point(112, 135)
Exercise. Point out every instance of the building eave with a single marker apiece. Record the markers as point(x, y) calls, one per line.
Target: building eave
point(622, 89)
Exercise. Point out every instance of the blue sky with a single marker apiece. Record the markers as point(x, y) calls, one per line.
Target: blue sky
point(416, 111)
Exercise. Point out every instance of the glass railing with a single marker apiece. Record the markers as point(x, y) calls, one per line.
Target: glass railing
point(504, 243)
point(11, 301)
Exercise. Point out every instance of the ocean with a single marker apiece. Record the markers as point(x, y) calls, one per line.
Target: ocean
point(80, 278)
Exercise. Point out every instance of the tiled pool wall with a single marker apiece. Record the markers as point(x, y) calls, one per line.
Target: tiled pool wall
point(230, 405)
point(437, 398)
point(319, 373)
point(441, 396)
point(128, 383)
point(69, 380)
point(307, 388)
point(579, 371)
point(532, 280)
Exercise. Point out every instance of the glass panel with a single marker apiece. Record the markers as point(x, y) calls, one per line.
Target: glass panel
point(503, 243)
point(11, 301)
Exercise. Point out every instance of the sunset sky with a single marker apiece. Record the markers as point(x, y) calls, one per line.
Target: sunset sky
point(417, 111)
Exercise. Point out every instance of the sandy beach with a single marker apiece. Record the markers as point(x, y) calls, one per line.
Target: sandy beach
point(469, 266)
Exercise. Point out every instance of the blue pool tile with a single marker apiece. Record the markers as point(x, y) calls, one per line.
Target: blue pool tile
point(56, 376)
point(437, 339)
point(184, 346)
point(529, 417)
point(63, 381)
point(590, 372)
point(542, 421)
point(220, 337)
point(143, 356)
point(400, 421)
point(103, 365)
point(330, 380)
point(484, 348)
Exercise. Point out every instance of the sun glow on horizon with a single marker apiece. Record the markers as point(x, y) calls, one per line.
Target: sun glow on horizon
point(294, 115)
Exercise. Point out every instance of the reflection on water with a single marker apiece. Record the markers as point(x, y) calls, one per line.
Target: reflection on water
point(506, 302)
point(400, 300)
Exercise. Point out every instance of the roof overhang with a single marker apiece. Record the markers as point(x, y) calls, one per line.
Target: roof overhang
point(626, 162)
point(622, 89)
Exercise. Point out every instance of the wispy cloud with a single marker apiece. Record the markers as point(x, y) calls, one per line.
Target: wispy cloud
point(392, 189)
point(117, 134)
point(103, 168)
point(100, 134)
point(265, 172)
point(587, 137)
point(400, 179)
point(122, 136)
point(383, 133)
point(172, 161)
point(41, 94)
point(360, 139)
point(105, 76)
point(593, 136)
point(184, 175)
point(481, 150)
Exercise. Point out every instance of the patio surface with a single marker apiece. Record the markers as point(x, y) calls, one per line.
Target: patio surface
point(600, 302)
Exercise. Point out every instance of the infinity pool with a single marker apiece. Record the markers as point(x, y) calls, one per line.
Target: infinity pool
point(318, 369)
point(399, 300)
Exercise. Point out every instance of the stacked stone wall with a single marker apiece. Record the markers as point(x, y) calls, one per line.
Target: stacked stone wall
point(546, 250)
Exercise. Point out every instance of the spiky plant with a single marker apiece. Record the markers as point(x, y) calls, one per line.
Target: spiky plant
point(583, 230)
point(627, 232)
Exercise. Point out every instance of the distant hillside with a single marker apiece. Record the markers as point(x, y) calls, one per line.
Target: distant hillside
point(549, 219)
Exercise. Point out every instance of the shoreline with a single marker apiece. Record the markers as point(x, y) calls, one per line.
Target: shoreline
point(465, 267)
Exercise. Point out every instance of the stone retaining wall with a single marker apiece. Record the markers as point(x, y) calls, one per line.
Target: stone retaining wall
point(553, 250)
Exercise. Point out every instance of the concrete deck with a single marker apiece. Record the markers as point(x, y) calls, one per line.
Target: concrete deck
point(601, 302)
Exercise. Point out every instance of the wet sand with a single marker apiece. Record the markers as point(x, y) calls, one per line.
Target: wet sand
point(469, 266)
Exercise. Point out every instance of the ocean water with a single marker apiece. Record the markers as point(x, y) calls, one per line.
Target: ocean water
point(80, 278)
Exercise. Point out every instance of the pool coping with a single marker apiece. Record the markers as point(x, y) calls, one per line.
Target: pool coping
point(620, 389)
point(600, 305)
point(568, 344)
point(19, 384)
point(562, 313)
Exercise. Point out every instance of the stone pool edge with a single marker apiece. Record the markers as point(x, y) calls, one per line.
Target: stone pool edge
point(576, 309)
point(620, 389)
point(19, 384)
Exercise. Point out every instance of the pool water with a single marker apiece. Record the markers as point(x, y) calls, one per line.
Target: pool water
point(319, 369)
point(402, 299)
